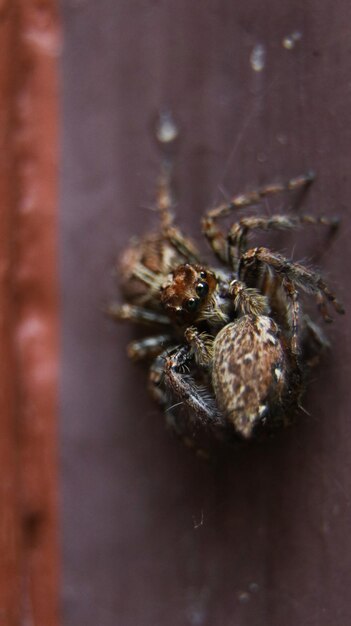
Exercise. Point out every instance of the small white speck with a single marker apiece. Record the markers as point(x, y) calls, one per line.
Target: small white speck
point(258, 58)
point(278, 374)
point(248, 357)
point(290, 40)
point(167, 129)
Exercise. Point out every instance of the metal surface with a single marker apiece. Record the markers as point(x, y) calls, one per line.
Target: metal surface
point(152, 535)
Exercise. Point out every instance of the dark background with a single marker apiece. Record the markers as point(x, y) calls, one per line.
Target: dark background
point(151, 534)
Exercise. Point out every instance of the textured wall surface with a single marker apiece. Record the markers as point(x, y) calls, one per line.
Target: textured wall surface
point(152, 535)
point(29, 48)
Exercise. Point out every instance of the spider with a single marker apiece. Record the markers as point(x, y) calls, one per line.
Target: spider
point(231, 342)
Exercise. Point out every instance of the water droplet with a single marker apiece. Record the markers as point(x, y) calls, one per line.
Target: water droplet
point(243, 597)
point(167, 129)
point(290, 40)
point(258, 58)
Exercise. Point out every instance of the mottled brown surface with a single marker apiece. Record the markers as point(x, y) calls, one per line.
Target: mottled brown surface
point(152, 535)
point(250, 372)
point(29, 46)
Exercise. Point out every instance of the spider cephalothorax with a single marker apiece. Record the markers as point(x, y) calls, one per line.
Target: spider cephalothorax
point(190, 293)
point(232, 343)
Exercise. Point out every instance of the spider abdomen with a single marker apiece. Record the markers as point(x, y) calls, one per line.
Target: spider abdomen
point(250, 372)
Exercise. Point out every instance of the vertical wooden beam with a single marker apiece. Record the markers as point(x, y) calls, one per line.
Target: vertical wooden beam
point(9, 485)
point(29, 45)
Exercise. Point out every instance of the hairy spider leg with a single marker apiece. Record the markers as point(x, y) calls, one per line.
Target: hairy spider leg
point(148, 347)
point(214, 234)
point(156, 386)
point(202, 407)
point(247, 300)
point(176, 419)
point(293, 297)
point(137, 314)
point(237, 239)
point(164, 206)
point(201, 345)
point(238, 232)
point(315, 341)
point(300, 276)
point(164, 197)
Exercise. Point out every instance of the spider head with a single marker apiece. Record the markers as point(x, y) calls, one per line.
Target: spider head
point(188, 292)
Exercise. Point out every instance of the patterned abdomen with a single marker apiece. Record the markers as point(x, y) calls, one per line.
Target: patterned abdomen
point(249, 372)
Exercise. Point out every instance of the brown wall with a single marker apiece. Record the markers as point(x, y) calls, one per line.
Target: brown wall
point(151, 535)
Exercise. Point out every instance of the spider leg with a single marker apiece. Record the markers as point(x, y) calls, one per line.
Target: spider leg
point(164, 204)
point(239, 231)
point(202, 409)
point(215, 235)
point(160, 394)
point(182, 244)
point(152, 279)
point(148, 347)
point(300, 276)
point(136, 314)
point(164, 197)
point(156, 383)
point(251, 301)
point(201, 345)
point(248, 300)
point(176, 419)
point(316, 333)
point(316, 342)
point(293, 297)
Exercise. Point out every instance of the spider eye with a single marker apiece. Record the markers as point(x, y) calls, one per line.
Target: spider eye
point(191, 304)
point(202, 289)
point(203, 275)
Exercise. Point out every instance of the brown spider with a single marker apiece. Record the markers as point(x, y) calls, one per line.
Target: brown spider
point(233, 344)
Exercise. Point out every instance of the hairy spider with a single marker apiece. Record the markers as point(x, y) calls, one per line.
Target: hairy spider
point(231, 344)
